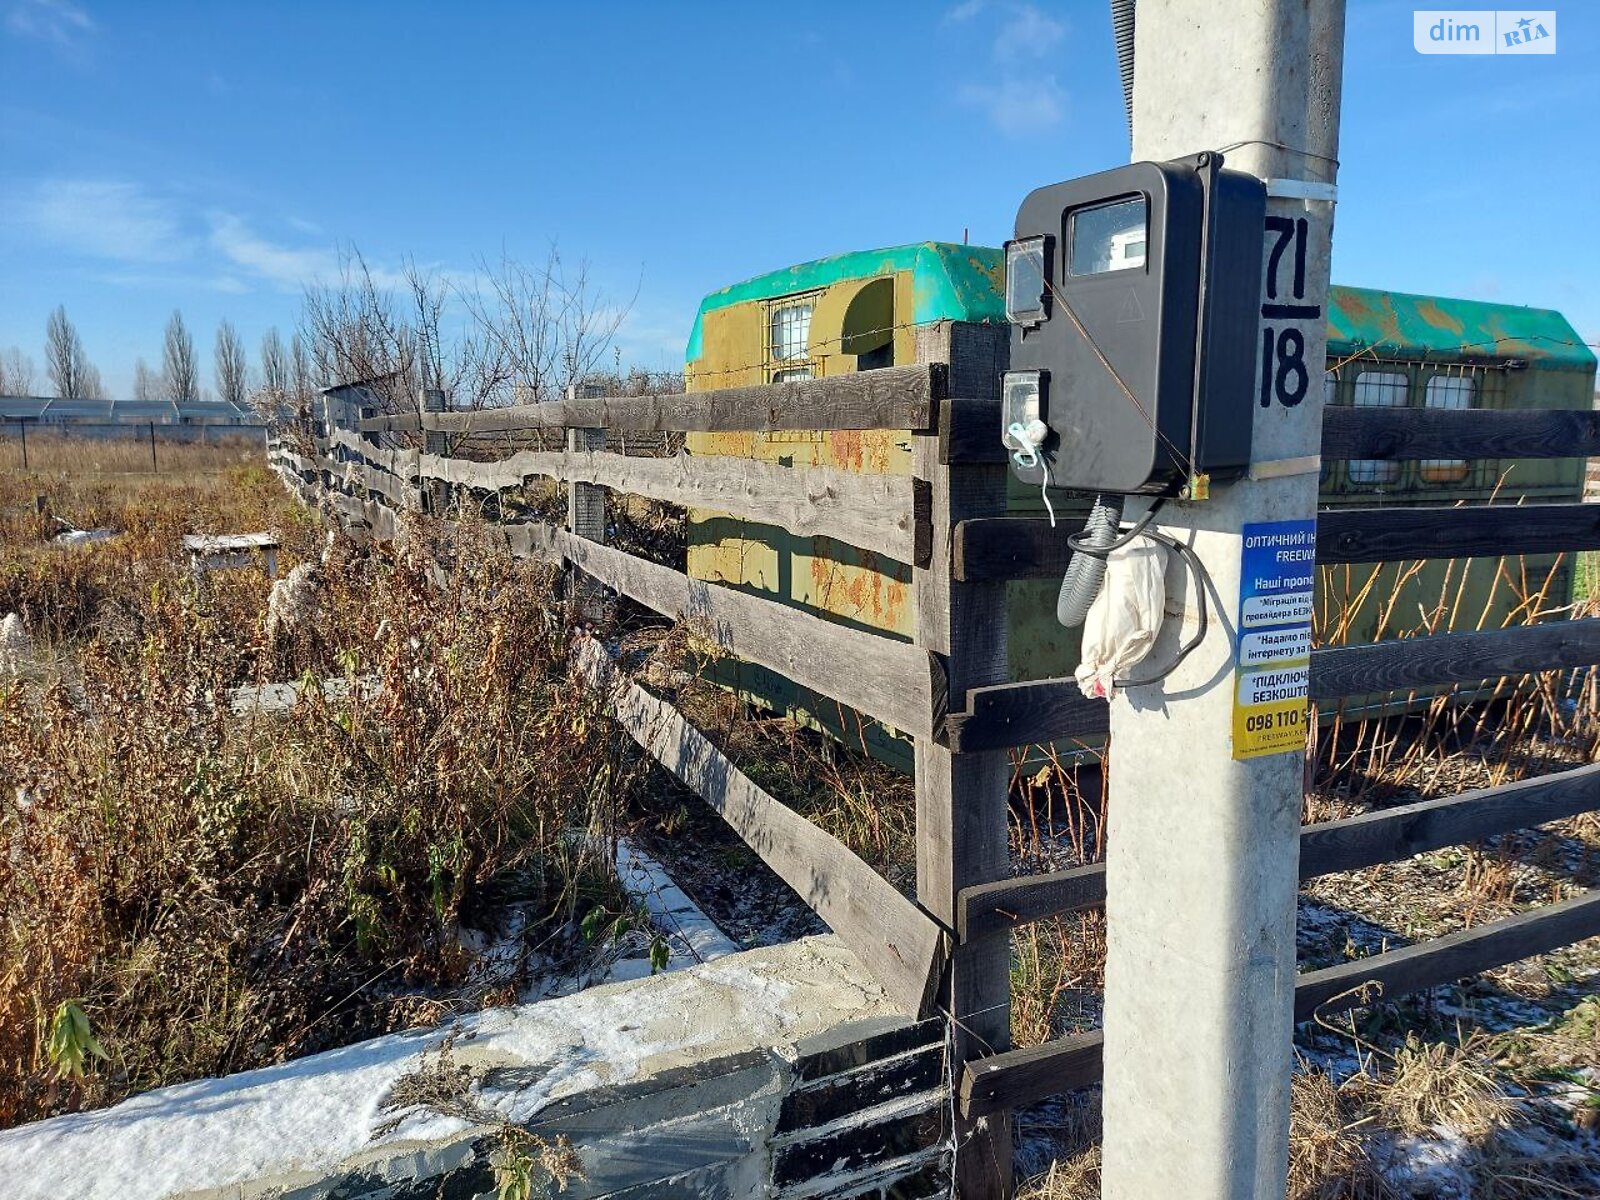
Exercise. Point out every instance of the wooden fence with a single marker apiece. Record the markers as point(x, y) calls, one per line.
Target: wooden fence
point(949, 686)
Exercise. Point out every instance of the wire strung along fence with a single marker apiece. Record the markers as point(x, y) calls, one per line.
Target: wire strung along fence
point(946, 951)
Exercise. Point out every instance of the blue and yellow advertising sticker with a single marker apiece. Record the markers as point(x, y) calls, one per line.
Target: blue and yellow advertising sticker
point(1273, 669)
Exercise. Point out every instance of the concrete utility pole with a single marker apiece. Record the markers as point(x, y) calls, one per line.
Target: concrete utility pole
point(1207, 767)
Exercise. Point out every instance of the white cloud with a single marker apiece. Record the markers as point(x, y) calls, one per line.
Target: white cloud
point(143, 238)
point(652, 340)
point(1021, 97)
point(289, 267)
point(57, 21)
point(1018, 106)
point(175, 282)
point(1028, 32)
point(105, 219)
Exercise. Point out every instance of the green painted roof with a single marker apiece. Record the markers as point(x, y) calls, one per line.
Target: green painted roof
point(964, 283)
point(949, 282)
point(1396, 324)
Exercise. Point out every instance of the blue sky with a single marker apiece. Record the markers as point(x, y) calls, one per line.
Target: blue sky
point(215, 156)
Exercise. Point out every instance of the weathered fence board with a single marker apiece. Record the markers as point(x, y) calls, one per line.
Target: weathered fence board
point(1029, 548)
point(972, 433)
point(874, 512)
point(1409, 433)
point(1019, 1077)
point(893, 398)
point(886, 679)
point(380, 482)
point(1026, 714)
point(410, 422)
point(1013, 547)
point(1391, 834)
point(400, 463)
point(533, 540)
point(1442, 960)
point(1003, 1082)
point(1407, 663)
point(962, 809)
point(1386, 835)
point(895, 940)
point(379, 518)
point(299, 464)
point(1363, 535)
point(1047, 710)
point(1350, 432)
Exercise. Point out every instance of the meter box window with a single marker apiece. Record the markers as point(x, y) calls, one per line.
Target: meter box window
point(1108, 237)
point(1134, 299)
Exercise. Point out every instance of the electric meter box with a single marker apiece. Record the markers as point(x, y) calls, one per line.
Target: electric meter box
point(1134, 297)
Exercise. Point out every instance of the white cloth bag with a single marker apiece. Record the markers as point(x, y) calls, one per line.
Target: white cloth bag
point(1125, 617)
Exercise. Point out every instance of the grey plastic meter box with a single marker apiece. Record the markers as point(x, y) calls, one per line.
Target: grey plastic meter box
point(1134, 300)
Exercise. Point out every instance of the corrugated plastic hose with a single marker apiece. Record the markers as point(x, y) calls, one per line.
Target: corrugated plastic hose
point(1087, 570)
point(1122, 28)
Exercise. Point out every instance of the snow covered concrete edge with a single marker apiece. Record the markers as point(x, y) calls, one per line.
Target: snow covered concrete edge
point(679, 1076)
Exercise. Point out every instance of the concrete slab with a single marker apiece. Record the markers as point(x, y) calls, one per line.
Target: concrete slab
point(680, 1075)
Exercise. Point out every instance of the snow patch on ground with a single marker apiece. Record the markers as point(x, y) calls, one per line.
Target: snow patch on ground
point(311, 1115)
point(694, 937)
point(1436, 1165)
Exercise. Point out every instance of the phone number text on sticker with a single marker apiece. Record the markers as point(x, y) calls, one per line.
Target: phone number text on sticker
point(1272, 668)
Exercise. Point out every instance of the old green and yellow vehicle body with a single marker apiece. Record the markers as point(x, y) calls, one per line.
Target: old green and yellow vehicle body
point(1396, 349)
point(934, 301)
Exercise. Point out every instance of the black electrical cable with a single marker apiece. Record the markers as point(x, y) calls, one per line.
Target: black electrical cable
point(1079, 545)
point(1202, 579)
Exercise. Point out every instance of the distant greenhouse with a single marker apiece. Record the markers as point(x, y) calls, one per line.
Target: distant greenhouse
point(208, 420)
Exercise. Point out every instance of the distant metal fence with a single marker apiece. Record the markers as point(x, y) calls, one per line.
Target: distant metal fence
point(115, 447)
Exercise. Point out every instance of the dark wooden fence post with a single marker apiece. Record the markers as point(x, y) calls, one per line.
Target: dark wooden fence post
point(961, 798)
point(586, 518)
point(435, 492)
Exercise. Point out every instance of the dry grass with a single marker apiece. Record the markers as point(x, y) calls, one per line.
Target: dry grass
point(1329, 1159)
point(1352, 1140)
point(1360, 757)
point(130, 453)
point(218, 893)
point(869, 806)
point(1075, 1178)
point(1436, 1083)
point(1347, 1137)
point(1057, 977)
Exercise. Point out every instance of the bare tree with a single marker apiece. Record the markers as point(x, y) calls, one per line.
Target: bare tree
point(232, 368)
point(92, 388)
point(356, 333)
point(71, 374)
point(178, 370)
point(16, 373)
point(527, 334)
point(274, 363)
point(551, 324)
point(147, 384)
point(302, 379)
point(272, 400)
